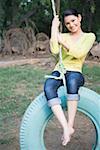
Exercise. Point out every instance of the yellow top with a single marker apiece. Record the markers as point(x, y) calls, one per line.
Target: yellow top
point(73, 59)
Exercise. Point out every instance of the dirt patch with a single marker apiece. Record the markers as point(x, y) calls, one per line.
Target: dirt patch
point(47, 62)
point(9, 136)
point(83, 139)
point(43, 62)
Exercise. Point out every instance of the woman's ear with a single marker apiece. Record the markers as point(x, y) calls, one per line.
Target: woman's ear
point(80, 17)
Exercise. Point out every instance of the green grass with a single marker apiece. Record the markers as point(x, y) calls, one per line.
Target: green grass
point(19, 86)
point(92, 77)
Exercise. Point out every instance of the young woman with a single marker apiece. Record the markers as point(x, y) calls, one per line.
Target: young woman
point(75, 46)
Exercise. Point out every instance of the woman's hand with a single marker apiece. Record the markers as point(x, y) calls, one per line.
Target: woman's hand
point(59, 37)
point(55, 22)
point(55, 28)
point(62, 42)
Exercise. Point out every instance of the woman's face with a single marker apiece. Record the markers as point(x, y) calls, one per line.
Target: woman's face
point(72, 23)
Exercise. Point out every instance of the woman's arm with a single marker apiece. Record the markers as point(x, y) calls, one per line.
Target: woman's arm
point(78, 50)
point(81, 49)
point(61, 40)
point(54, 45)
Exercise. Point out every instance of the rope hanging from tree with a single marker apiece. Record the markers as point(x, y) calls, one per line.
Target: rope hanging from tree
point(61, 66)
point(53, 8)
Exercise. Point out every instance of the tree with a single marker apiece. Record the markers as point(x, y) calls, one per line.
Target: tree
point(19, 13)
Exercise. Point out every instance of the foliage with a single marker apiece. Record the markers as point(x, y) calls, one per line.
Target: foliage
point(19, 12)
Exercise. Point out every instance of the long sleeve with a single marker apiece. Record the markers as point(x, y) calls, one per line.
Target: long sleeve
point(74, 55)
point(54, 45)
point(82, 48)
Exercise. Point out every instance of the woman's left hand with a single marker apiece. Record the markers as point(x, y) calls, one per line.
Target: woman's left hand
point(60, 40)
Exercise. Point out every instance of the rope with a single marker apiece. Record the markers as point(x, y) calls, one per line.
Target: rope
point(61, 66)
point(53, 7)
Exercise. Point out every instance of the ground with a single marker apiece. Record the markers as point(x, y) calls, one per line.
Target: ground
point(84, 137)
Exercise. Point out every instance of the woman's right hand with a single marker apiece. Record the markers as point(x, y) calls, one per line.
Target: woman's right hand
point(56, 22)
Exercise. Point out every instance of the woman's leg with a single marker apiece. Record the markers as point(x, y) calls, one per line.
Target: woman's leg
point(58, 112)
point(72, 109)
point(74, 81)
point(54, 102)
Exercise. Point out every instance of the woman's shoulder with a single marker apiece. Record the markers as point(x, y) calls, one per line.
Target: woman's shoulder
point(65, 35)
point(90, 35)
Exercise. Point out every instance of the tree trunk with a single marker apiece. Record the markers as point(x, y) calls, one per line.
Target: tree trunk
point(91, 14)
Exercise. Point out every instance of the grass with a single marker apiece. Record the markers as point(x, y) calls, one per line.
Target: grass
point(92, 77)
point(19, 86)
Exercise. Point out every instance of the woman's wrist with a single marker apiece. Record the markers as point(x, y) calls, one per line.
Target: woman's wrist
point(54, 33)
point(54, 29)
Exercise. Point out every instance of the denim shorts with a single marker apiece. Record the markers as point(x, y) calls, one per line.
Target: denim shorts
point(73, 82)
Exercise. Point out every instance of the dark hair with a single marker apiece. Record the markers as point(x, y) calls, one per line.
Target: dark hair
point(70, 11)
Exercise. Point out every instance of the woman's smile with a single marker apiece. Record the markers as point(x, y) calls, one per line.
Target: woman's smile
point(72, 23)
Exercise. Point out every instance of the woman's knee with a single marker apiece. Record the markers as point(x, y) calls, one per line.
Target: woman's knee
point(72, 90)
point(72, 86)
point(51, 86)
point(50, 89)
point(74, 81)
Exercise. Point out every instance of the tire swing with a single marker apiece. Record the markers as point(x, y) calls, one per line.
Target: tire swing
point(38, 114)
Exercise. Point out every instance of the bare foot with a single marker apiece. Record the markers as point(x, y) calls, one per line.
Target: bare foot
point(71, 130)
point(67, 135)
point(65, 138)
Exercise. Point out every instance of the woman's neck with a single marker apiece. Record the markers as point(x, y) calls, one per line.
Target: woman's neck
point(77, 33)
point(75, 36)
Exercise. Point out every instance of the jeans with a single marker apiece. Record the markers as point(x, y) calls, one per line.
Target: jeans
point(73, 82)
